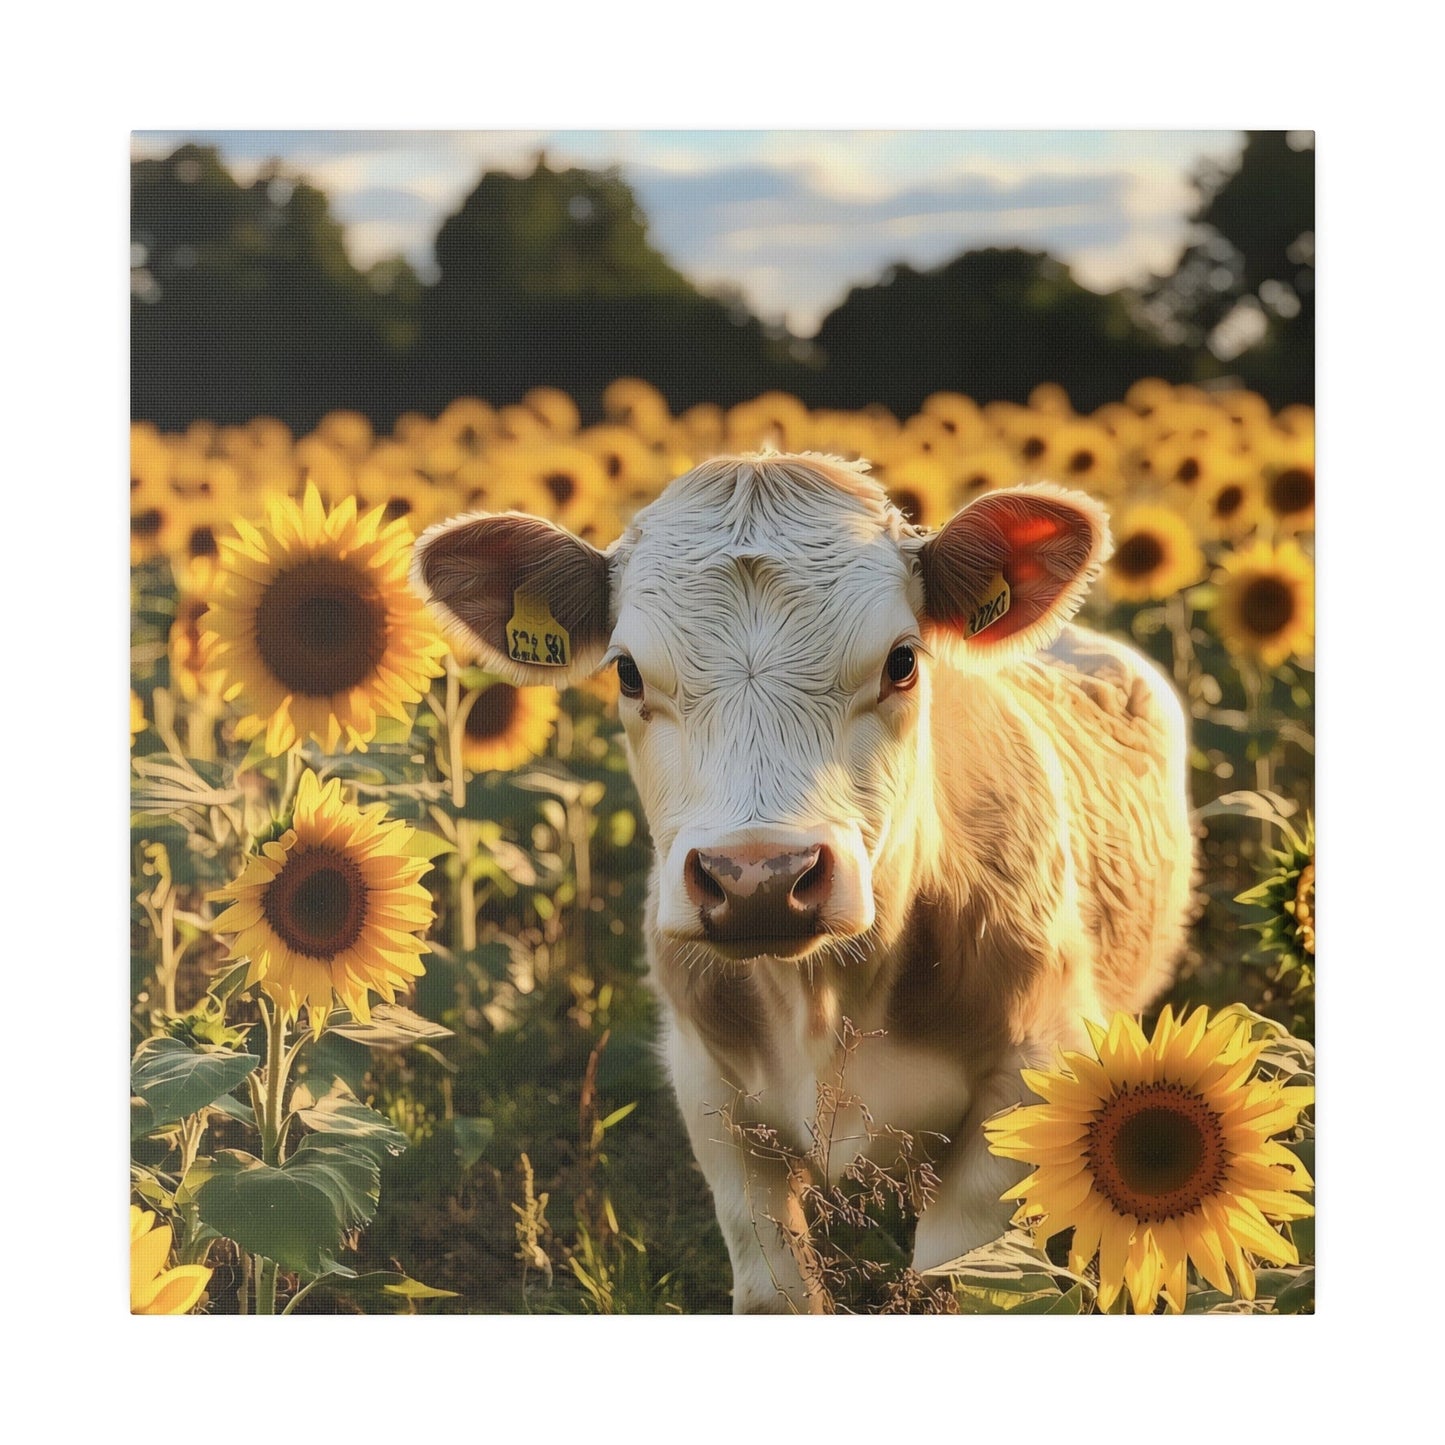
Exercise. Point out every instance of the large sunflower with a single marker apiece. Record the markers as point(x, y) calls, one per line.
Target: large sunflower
point(1155, 554)
point(1160, 1153)
point(1266, 603)
point(318, 630)
point(506, 726)
point(335, 906)
point(154, 1289)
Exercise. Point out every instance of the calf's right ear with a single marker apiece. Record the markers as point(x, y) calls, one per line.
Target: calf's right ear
point(529, 600)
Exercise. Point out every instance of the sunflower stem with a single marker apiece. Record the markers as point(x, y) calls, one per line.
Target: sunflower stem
point(170, 959)
point(278, 1062)
point(265, 1286)
point(1178, 619)
point(455, 723)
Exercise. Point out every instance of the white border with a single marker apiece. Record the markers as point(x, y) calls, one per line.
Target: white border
point(82, 79)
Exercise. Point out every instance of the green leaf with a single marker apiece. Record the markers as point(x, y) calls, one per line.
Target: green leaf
point(616, 1116)
point(385, 1288)
point(296, 1214)
point(169, 1080)
point(471, 1138)
point(391, 1027)
point(339, 1117)
point(1297, 1297)
point(426, 845)
point(224, 985)
point(1069, 1303)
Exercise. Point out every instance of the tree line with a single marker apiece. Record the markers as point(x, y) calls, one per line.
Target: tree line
point(244, 302)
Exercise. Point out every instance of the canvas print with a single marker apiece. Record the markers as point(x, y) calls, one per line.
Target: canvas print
point(722, 722)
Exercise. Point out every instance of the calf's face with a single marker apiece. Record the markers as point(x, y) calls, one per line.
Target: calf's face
point(772, 621)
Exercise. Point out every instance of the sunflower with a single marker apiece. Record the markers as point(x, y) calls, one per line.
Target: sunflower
point(918, 487)
point(1287, 896)
point(955, 413)
point(1229, 505)
point(335, 906)
point(983, 469)
point(506, 726)
point(1160, 1153)
point(137, 717)
point(318, 629)
point(1155, 554)
point(555, 408)
point(1290, 492)
point(154, 1289)
point(1266, 604)
point(1083, 454)
point(637, 404)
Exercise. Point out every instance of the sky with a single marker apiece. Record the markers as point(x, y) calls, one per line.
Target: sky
point(790, 218)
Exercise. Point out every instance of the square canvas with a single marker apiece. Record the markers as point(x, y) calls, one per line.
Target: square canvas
point(722, 722)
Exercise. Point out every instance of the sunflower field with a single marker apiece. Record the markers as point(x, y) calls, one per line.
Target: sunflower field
point(392, 1040)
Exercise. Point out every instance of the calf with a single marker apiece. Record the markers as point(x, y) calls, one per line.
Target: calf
point(886, 782)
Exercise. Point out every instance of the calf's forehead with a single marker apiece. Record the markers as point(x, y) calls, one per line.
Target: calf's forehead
point(759, 564)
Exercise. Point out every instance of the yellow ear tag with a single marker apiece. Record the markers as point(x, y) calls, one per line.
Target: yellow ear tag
point(994, 604)
point(534, 635)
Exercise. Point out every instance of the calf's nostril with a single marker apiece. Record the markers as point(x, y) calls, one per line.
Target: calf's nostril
point(702, 887)
point(812, 887)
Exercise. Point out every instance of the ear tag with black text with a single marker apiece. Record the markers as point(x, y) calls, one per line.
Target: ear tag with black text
point(534, 635)
point(994, 603)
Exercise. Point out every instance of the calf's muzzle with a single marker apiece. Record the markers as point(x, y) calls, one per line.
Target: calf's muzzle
point(759, 899)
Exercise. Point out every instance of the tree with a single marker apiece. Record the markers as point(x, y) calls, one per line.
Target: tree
point(550, 278)
point(992, 324)
point(1250, 273)
point(244, 301)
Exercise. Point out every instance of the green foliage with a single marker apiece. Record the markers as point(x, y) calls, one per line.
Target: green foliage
point(297, 1214)
point(170, 1080)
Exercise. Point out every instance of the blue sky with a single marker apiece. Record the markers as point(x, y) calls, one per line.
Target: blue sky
point(791, 218)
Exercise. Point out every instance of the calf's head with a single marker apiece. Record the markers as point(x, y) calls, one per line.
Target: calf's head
point(773, 621)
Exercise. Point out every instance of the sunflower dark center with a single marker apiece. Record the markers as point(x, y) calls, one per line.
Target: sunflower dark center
point(1034, 447)
point(316, 904)
point(1267, 606)
point(613, 463)
point(1293, 490)
point(1139, 555)
point(562, 485)
point(1082, 461)
point(1156, 1151)
point(1229, 500)
point(321, 627)
point(202, 542)
point(1187, 471)
point(147, 523)
point(493, 712)
point(396, 507)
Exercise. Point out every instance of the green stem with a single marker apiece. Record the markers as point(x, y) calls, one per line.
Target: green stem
point(456, 721)
point(299, 1296)
point(273, 1098)
point(170, 959)
point(265, 1286)
point(1178, 618)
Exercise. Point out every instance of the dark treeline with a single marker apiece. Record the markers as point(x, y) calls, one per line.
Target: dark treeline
point(245, 303)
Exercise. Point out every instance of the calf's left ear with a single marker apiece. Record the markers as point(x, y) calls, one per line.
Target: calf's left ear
point(527, 599)
point(1004, 576)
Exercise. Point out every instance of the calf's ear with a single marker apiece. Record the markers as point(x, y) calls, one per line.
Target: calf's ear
point(527, 599)
point(1004, 576)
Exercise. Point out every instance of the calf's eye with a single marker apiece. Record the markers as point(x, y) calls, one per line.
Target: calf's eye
point(628, 677)
point(900, 672)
